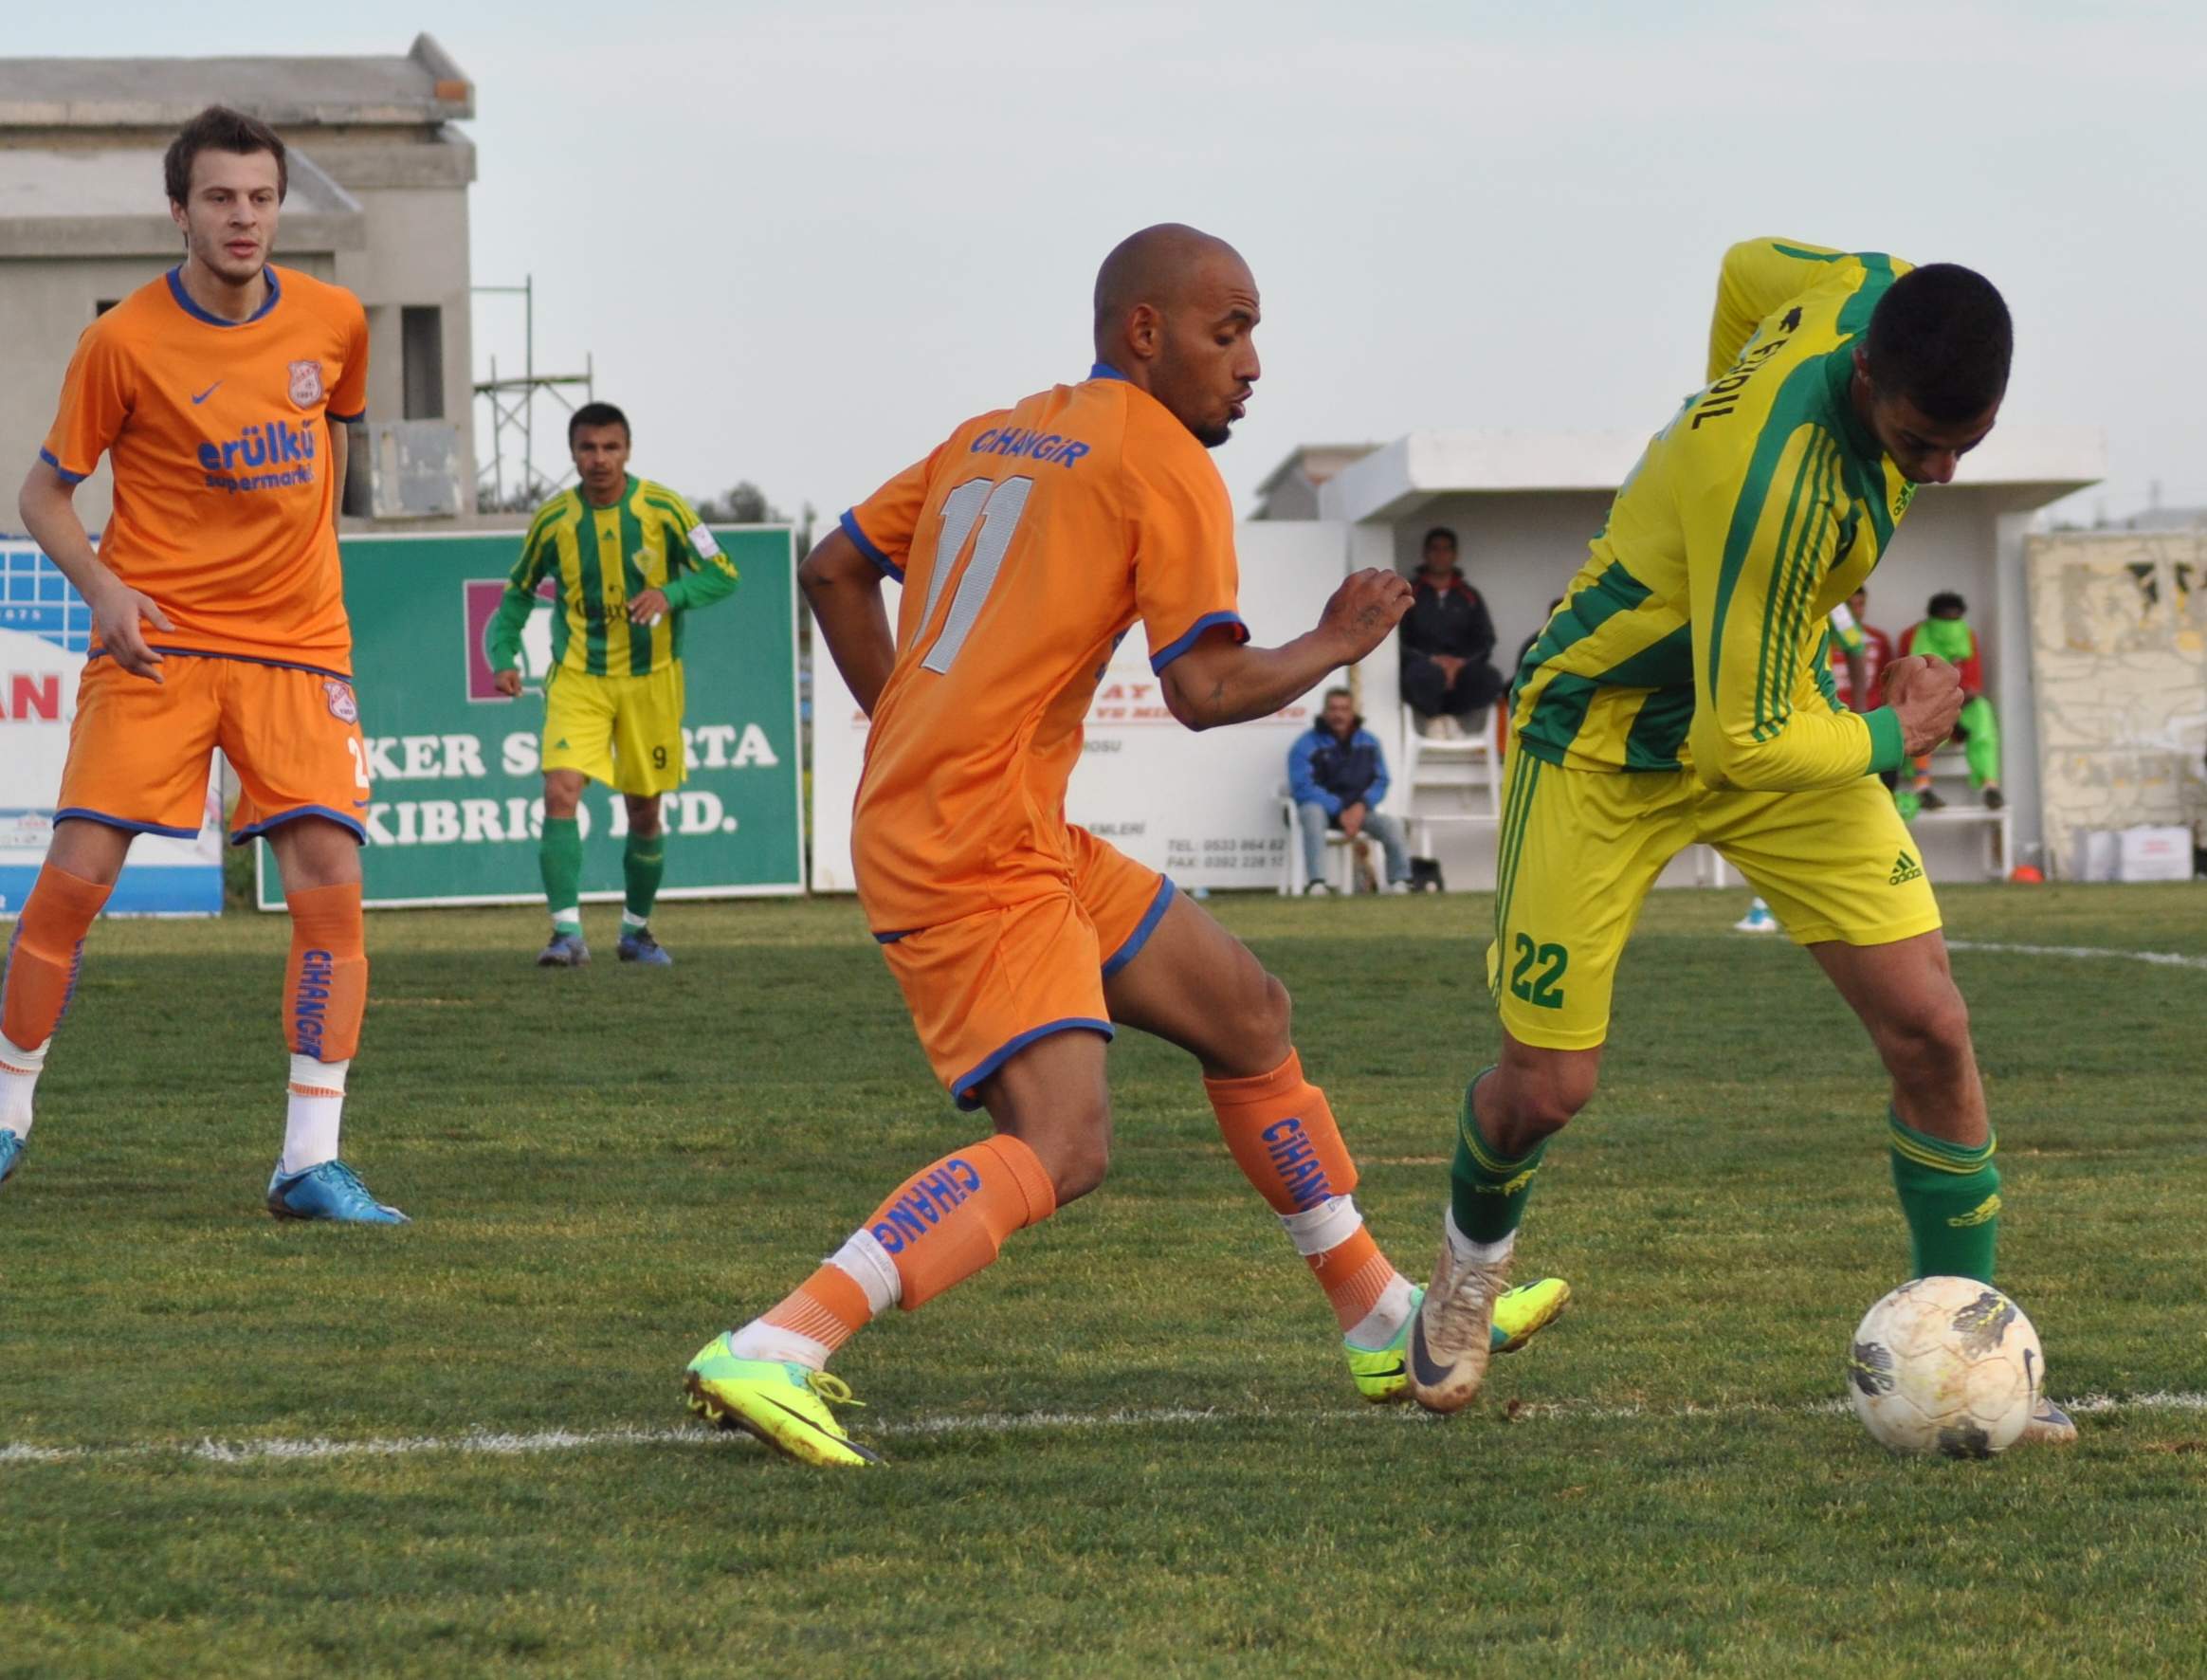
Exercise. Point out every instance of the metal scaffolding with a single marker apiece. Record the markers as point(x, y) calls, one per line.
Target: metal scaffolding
point(513, 410)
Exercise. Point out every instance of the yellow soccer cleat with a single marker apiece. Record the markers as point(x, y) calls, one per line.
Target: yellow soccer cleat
point(1524, 1312)
point(1520, 1315)
point(784, 1405)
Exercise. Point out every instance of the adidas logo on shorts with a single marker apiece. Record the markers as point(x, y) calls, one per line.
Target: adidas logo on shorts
point(1906, 868)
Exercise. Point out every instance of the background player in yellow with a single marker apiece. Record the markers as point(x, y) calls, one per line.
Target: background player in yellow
point(1029, 543)
point(629, 558)
point(1683, 693)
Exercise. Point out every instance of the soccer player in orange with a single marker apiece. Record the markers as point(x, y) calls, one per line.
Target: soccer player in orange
point(218, 393)
point(1027, 544)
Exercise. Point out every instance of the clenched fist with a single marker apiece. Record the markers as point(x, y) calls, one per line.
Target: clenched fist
point(1925, 694)
point(1367, 606)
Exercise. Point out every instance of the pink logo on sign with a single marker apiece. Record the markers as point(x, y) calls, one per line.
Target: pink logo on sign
point(482, 596)
point(306, 384)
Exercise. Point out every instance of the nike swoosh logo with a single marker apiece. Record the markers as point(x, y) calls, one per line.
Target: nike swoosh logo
point(1422, 1370)
point(806, 1422)
point(208, 392)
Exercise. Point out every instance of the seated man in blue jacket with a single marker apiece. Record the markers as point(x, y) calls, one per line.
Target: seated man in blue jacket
point(1338, 775)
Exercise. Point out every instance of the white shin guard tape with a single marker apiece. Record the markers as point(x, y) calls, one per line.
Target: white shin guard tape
point(870, 1268)
point(1325, 1227)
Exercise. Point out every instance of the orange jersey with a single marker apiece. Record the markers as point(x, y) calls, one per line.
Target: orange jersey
point(1027, 544)
point(216, 431)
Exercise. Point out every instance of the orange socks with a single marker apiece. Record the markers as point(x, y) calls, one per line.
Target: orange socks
point(1282, 1134)
point(325, 984)
point(1282, 1137)
point(941, 1225)
point(828, 1307)
point(947, 1221)
point(43, 956)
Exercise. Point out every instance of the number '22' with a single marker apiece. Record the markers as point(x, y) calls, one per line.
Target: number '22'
point(1546, 989)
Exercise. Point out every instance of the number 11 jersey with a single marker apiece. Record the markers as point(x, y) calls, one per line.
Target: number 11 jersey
point(1028, 543)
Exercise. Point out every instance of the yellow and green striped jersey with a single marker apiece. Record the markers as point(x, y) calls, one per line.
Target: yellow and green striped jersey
point(1695, 633)
point(603, 558)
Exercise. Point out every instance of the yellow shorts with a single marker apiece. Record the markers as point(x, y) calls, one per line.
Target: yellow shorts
point(624, 731)
point(1579, 850)
point(984, 987)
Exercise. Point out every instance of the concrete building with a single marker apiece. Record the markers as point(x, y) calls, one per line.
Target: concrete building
point(378, 203)
point(1525, 506)
point(1290, 489)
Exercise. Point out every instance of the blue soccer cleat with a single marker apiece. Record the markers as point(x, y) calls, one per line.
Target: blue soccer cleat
point(11, 1147)
point(331, 1191)
point(637, 945)
point(565, 951)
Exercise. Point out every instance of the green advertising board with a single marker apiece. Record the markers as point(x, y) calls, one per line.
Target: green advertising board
point(457, 795)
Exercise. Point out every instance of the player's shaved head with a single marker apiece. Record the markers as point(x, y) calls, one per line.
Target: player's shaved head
point(1158, 266)
point(1174, 311)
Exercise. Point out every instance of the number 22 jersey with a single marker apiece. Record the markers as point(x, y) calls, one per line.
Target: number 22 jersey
point(1028, 543)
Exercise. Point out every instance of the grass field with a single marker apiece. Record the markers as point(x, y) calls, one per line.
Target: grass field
point(233, 1447)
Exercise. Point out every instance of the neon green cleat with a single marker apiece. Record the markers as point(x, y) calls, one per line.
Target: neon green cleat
point(1524, 1312)
point(1520, 1315)
point(784, 1405)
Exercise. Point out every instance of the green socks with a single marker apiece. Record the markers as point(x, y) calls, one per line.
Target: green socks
point(1487, 1194)
point(1951, 1198)
point(560, 855)
point(643, 866)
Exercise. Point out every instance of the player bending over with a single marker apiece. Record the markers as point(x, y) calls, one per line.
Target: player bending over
point(1027, 544)
point(1683, 693)
point(219, 394)
point(631, 561)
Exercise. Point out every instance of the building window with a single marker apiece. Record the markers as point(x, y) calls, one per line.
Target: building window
point(421, 348)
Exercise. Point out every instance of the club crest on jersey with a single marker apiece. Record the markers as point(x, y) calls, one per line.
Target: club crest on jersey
point(342, 705)
point(306, 384)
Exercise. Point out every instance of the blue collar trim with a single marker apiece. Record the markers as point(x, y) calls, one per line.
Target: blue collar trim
point(184, 300)
point(1104, 370)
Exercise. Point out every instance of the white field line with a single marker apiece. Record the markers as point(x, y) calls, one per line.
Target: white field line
point(493, 1444)
point(2164, 958)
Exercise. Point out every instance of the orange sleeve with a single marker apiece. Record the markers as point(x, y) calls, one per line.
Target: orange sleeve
point(348, 398)
point(882, 525)
point(96, 403)
point(1186, 578)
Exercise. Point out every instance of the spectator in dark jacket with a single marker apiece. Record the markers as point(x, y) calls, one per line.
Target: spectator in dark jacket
point(1338, 775)
point(1447, 640)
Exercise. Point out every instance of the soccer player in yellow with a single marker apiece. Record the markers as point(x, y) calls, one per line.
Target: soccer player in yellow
point(1683, 693)
point(631, 559)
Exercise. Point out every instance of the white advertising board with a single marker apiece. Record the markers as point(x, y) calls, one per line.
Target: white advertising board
point(1203, 809)
point(44, 632)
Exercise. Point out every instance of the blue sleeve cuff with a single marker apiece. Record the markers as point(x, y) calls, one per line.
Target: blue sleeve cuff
point(346, 419)
point(67, 476)
point(866, 544)
point(1209, 621)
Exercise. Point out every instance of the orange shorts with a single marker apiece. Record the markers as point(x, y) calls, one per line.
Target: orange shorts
point(138, 750)
point(986, 986)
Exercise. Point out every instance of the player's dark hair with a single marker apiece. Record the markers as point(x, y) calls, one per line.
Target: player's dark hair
point(597, 414)
point(1945, 599)
point(220, 129)
point(1941, 337)
point(1426, 541)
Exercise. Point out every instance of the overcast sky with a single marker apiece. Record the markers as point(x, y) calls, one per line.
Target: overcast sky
point(804, 240)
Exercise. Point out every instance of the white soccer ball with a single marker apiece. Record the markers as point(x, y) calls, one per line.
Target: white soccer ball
point(1948, 1365)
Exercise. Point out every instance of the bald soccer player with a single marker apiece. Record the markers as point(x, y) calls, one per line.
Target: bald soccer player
point(1027, 544)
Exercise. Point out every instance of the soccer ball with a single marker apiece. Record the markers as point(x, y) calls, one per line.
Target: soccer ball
point(1948, 1365)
